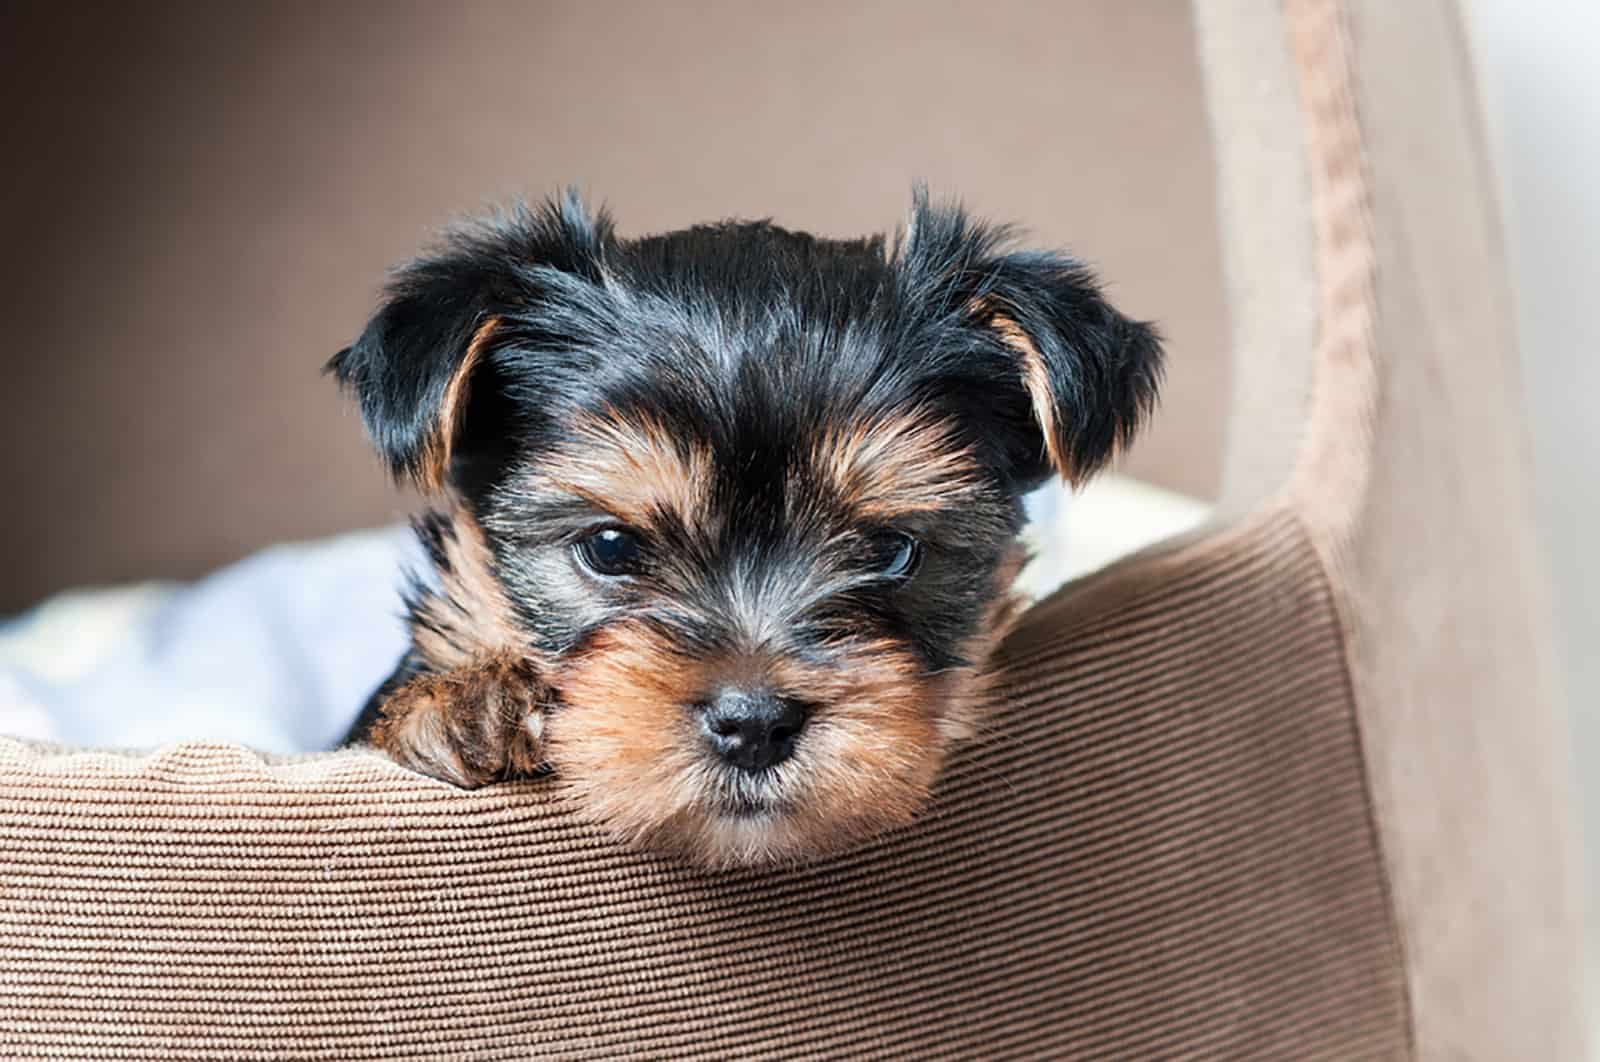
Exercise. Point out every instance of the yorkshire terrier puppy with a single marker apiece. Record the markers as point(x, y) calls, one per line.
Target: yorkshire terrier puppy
point(728, 516)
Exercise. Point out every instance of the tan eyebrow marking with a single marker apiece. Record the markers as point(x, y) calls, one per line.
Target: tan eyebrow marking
point(634, 468)
point(905, 463)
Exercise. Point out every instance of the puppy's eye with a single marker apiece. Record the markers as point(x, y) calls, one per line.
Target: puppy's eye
point(611, 551)
point(895, 554)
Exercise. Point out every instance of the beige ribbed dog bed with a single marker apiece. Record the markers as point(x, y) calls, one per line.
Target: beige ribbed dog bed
point(1287, 788)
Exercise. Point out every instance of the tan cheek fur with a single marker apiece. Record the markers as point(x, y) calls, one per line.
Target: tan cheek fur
point(468, 616)
point(971, 694)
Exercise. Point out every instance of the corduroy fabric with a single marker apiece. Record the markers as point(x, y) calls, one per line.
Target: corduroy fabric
point(1164, 849)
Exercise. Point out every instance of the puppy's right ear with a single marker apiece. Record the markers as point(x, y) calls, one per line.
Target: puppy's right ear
point(424, 369)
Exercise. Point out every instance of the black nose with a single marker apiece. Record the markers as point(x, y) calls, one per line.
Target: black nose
point(752, 729)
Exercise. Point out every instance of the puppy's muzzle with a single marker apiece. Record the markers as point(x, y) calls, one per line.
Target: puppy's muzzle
point(752, 729)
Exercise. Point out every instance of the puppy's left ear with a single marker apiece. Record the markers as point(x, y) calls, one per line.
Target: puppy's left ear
point(1089, 373)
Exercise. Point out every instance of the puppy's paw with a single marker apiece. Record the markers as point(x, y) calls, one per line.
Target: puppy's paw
point(470, 726)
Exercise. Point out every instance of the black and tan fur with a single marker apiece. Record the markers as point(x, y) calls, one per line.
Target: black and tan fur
point(771, 424)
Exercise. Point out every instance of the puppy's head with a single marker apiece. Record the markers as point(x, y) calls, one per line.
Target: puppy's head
point(752, 497)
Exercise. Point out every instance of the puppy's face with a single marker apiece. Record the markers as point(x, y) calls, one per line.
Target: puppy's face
point(764, 623)
point(749, 498)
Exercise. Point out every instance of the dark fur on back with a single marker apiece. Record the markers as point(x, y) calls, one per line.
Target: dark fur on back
point(760, 408)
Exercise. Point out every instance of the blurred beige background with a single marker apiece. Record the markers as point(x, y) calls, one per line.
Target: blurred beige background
point(201, 201)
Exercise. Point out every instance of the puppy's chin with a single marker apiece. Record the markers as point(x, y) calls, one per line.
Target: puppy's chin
point(633, 759)
point(708, 813)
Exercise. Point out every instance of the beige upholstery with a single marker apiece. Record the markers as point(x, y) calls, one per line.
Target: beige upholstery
point(1434, 550)
point(1287, 788)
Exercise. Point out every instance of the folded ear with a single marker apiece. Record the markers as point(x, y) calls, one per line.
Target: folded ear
point(1090, 374)
point(424, 368)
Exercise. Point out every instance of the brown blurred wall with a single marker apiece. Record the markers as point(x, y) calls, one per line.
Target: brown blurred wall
point(200, 201)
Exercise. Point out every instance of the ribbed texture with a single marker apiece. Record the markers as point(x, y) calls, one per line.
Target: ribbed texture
point(1165, 850)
